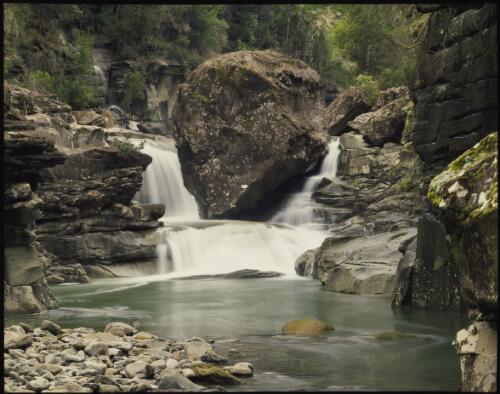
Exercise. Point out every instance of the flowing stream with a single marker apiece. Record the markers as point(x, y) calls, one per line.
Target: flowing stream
point(192, 246)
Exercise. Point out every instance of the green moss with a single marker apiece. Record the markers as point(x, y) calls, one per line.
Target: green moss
point(434, 197)
point(486, 146)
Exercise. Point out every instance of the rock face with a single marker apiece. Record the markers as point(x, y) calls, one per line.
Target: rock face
point(84, 207)
point(246, 122)
point(456, 95)
point(25, 287)
point(426, 276)
point(466, 194)
point(374, 204)
point(88, 201)
point(346, 106)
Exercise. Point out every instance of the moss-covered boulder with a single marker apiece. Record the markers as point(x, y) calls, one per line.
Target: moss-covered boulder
point(212, 374)
point(466, 195)
point(307, 327)
point(246, 122)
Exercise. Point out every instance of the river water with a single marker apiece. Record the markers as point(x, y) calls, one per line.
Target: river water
point(248, 314)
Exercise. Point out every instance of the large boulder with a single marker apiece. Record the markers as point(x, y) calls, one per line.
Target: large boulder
point(383, 125)
point(346, 106)
point(246, 122)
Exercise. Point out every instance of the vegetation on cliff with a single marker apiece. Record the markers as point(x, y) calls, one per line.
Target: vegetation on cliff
point(49, 46)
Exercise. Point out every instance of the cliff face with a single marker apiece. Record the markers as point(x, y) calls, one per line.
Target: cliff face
point(25, 286)
point(82, 215)
point(456, 94)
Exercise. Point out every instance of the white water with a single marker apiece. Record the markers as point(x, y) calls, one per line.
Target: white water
point(162, 183)
point(189, 245)
point(300, 209)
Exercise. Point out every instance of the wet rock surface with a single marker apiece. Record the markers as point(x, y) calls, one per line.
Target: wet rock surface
point(55, 359)
point(233, 148)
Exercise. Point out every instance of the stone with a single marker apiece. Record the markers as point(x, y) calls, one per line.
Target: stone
point(216, 126)
point(16, 340)
point(214, 375)
point(477, 348)
point(197, 350)
point(140, 369)
point(90, 117)
point(159, 364)
point(307, 327)
point(51, 327)
point(346, 106)
point(99, 367)
point(240, 369)
point(174, 380)
point(304, 264)
point(96, 348)
point(172, 363)
point(38, 384)
point(117, 328)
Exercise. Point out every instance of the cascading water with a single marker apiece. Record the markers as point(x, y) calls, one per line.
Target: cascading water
point(189, 245)
point(163, 184)
point(300, 209)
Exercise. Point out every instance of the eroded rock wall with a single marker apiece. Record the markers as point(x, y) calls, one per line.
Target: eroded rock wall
point(25, 286)
point(456, 94)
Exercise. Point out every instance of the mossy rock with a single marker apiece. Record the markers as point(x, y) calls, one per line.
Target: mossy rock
point(467, 189)
point(392, 336)
point(307, 327)
point(212, 374)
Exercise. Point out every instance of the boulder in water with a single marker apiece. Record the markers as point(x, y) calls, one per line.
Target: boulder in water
point(247, 122)
point(307, 327)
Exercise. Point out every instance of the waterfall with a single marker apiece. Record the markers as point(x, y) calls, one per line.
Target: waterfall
point(300, 209)
point(162, 183)
point(234, 245)
point(189, 245)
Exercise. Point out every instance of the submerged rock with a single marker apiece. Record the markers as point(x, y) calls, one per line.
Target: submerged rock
point(240, 274)
point(246, 122)
point(307, 327)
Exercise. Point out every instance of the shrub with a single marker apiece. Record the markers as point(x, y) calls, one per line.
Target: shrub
point(369, 87)
point(40, 81)
point(133, 88)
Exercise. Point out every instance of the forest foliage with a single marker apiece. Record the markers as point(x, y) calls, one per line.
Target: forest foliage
point(371, 45)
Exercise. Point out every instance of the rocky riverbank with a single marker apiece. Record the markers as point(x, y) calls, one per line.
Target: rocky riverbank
point(119, 359)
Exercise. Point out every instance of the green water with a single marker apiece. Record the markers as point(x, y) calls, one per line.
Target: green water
point(248, 314)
